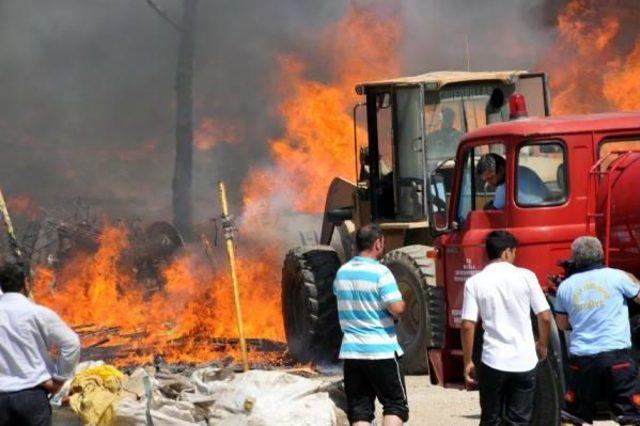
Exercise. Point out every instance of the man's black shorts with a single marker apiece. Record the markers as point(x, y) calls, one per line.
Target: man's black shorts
point(364, 380)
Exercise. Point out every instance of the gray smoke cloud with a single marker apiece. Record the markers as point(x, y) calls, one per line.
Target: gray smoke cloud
point(87, 100)
point(501, 34)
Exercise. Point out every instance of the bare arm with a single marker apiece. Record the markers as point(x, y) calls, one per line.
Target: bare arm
point(396, 308)
point(562, 321)
point(636, 282)
point(544, 327)
point(468, 332)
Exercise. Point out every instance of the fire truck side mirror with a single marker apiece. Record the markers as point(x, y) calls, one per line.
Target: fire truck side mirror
point(437, 210)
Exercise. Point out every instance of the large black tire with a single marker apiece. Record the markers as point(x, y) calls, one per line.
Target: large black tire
point(548, 398)
point(309, 307)
point(422, 325)
point(549, 395)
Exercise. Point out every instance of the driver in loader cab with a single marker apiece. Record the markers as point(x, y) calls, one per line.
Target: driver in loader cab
point(531, 190)
point(447, 134)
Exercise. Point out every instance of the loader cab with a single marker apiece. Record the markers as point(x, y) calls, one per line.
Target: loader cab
point(414, 127)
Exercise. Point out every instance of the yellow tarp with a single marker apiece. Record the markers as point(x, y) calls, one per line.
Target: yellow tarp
point(93, 394)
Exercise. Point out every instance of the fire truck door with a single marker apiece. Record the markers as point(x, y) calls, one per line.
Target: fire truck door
point(465, 251)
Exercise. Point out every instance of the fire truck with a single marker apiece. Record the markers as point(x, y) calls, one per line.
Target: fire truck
point(590, 166)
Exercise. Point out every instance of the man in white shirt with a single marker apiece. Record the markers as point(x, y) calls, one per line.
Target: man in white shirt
point(502, 296)
point(28, 373)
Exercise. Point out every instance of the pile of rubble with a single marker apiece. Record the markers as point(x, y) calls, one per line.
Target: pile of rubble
point(101, 395)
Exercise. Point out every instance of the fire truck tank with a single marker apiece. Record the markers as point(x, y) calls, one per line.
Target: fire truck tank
point(618, 212)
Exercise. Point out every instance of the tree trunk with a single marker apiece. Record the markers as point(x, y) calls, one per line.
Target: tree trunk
point(182, 176)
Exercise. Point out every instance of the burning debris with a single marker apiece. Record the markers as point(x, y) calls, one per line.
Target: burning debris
point(149, 250)
point(135, 295)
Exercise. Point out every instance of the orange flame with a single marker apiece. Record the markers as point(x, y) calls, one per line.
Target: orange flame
point(195, 305)
point(176, 321)
point(317, 144)
point(595, 62)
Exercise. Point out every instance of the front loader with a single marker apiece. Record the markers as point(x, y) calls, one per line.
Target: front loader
point(414, 125)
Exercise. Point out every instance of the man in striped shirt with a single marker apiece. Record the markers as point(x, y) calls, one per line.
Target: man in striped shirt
point(368, 304)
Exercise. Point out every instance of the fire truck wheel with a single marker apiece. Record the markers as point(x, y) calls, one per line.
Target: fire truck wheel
point(421, 326)
point(548, 397)
point(309, 306)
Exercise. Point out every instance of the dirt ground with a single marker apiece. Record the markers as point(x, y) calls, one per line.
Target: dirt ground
point(436, 406)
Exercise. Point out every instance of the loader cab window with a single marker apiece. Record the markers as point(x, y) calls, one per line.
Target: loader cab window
point(474, 193)
point(384, 120)
point(541, 175)
point(451, 113)
point(409, 171)
point(385, 133)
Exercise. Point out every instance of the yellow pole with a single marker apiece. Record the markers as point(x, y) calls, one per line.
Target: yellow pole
point(228, 236)
point(8, 226)
point(13, 241)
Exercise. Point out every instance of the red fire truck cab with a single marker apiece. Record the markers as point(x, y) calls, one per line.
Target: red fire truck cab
point(586, 171)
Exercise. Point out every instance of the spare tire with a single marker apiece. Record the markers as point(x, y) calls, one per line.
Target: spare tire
point(309, 307)
point(422, 324)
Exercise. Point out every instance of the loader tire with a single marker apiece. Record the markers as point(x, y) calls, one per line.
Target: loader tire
point(422, 325)
point(309, 307)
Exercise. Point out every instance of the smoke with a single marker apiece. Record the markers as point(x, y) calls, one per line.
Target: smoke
point(501, 35)
point(88, 104)
point(87, 87)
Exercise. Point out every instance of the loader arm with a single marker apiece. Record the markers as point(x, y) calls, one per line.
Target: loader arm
point(339, 206)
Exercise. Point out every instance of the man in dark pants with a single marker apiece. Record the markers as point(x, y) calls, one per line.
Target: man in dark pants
point(368, 301)
point(592, 303)
point(28, 332)
point(503, 296)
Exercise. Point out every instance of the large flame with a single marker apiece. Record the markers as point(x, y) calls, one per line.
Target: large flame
point(182, 320)
point(195, 304)
point(595, 62)
point(317, 144)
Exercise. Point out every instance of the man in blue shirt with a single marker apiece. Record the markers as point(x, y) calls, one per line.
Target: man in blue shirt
point(531, 189)
point(368, 302)
point(592, 303)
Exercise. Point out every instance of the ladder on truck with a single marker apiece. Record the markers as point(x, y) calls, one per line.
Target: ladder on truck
point(598, 174)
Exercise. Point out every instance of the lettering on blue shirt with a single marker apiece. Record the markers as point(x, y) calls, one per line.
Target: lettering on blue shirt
point(595, 302)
